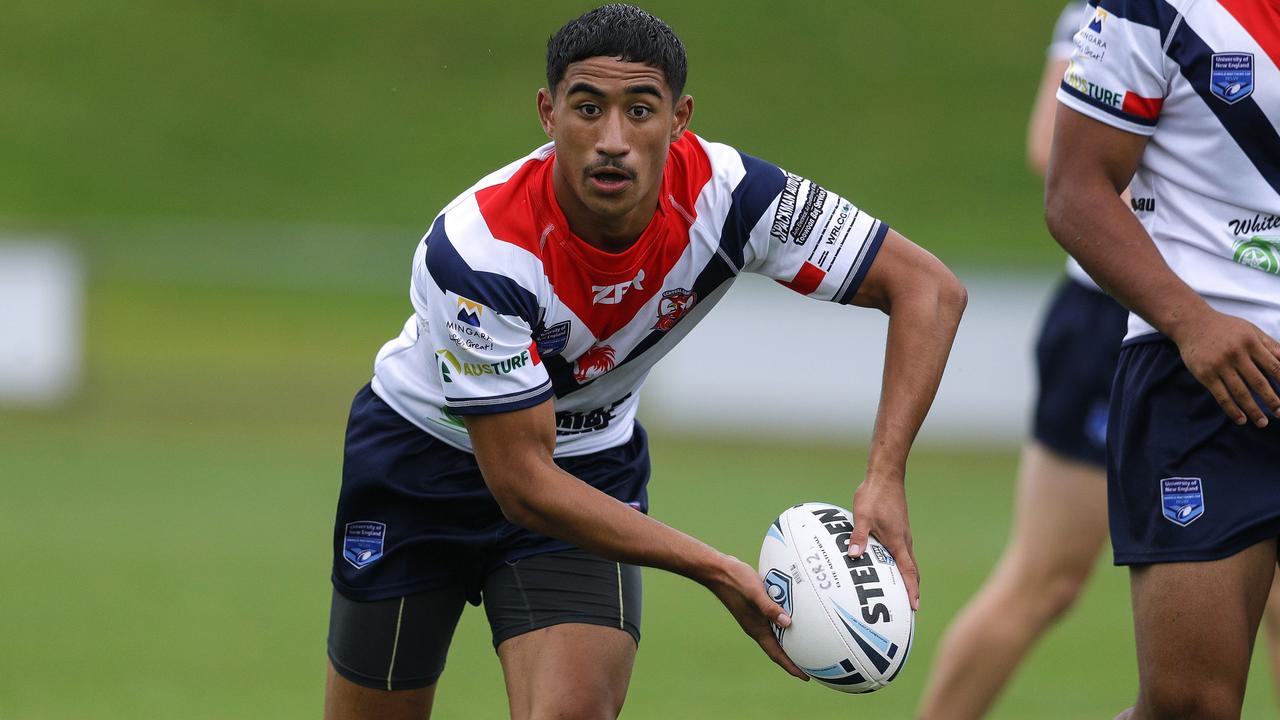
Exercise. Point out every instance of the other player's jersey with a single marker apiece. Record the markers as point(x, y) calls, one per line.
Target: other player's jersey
point(1201, 78)
point(512, 309)
point(1061, 45)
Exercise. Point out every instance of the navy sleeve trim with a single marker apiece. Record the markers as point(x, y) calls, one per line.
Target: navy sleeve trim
point(501, 403)
point(1158, 14)
point(452, 273)
point(863, 264)
point(1110, 110)
point(753, 195)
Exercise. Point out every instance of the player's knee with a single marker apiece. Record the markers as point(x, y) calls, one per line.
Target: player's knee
point(1174, 698)
point(577, 706)
point(1060, 593)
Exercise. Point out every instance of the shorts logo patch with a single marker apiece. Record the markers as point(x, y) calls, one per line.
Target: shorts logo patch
point(362, 542)
point(1181, 500)
point(1231, 76)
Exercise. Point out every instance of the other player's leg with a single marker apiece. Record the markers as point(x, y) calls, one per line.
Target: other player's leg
point(1060, 526)
point(1208, 611)
point(566, 626)
point(1271, 620)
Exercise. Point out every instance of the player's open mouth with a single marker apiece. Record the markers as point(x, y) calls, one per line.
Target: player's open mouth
point(609, 180)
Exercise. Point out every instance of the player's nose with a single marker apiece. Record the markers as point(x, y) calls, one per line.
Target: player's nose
point(612, 139)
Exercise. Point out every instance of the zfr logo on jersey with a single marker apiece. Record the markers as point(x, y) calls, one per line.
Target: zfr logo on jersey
point(1231, 76)
point(469, 311)
point(612, 294)
point(1181, 500)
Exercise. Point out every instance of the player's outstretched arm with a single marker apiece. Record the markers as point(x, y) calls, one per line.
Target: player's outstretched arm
point(1089, 164)
point(924, 301)
point(514, 450)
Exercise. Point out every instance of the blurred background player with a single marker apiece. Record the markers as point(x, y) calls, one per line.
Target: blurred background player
point(1179, 102)
point(1060, 523)
point(543, 296)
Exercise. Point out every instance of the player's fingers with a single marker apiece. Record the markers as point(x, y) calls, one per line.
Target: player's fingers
point(774, 650)
point(1262, 390)
point(906, 562)
point(1268, 360)
point(1239, 390)
point(1220, 394)
point(858, 539)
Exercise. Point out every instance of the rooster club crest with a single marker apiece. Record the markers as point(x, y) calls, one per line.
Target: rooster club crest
point(1181, 500)
point(674, 305)
point(362, 542)
point(593, 363)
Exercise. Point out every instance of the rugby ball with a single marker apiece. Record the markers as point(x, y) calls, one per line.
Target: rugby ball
point(851, 620)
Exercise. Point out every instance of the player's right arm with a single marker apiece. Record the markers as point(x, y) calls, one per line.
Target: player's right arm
point(1090, 164)
point(514, 450)
point(1110, 102)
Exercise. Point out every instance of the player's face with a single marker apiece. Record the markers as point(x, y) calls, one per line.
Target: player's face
point(613, 123)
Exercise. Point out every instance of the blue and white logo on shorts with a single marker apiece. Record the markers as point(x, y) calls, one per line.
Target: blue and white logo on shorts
point(1181, 499)
point(362, 542)
point(1231, 76)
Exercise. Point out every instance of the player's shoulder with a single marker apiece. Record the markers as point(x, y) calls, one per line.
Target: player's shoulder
point(492, 229)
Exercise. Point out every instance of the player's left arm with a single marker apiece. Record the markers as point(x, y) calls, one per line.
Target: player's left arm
point(924, 301)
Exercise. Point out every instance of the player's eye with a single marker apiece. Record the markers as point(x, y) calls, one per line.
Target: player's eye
point(589, 110)
point(639, 112)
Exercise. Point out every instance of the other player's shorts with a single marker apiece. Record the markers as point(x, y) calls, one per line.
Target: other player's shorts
point(400, 643)
point(414, 513)
point(1184, 483)
point(1076, 360)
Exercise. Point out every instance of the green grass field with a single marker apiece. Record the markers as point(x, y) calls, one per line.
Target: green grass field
point(246, 182)
point(168, 536)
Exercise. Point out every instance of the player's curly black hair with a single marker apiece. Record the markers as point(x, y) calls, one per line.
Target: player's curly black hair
point(618, 30)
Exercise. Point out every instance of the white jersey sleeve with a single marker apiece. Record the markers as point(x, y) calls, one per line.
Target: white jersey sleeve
point(811, 240)
point(480, 326)
point(1119, 72)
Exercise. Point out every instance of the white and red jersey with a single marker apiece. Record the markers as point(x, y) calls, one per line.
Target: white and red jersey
point(512, 309)
point(1202, 79)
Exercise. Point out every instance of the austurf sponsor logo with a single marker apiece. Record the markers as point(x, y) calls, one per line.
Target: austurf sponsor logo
point(1106, 96)
point(502, 367)
point(465, 336)
point(612, 294)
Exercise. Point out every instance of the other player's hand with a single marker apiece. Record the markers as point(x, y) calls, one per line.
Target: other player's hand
point(880, 509)
point(740, 589)
point(1233, 359)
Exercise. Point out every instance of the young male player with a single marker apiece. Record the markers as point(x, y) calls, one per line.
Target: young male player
point(495, 453)
point(1180, 100)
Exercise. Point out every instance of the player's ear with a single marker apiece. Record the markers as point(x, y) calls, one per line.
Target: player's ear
point(544, 113)
point(683, 112)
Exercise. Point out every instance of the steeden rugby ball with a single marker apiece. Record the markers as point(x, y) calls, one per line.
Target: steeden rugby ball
point(851, 620)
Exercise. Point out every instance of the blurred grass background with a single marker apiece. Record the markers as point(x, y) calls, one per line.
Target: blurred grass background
point(247, 182)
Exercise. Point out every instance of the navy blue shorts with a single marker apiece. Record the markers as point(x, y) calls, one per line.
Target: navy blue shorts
point(1076, 360)
point(1184, 483)
point(414, 513)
